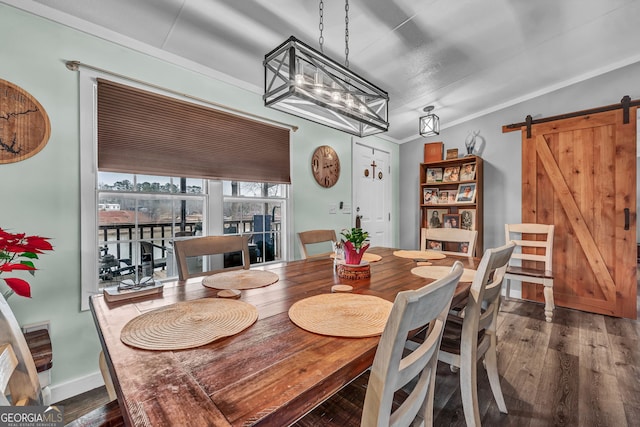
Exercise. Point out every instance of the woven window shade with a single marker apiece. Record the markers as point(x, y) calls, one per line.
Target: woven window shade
point(146, 133)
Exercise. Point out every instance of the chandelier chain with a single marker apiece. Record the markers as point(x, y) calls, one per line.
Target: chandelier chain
point(346, 33)
point(321, 25)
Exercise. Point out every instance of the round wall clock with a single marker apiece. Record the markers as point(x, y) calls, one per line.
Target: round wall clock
point(325, 166)
point(24, 125)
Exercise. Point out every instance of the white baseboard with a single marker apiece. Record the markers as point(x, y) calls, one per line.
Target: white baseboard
point(74, 387)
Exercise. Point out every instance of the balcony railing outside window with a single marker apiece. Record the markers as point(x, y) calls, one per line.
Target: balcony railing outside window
point(156, 210)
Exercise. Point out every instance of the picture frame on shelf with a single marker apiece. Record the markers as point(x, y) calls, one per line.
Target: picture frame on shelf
point(429, 196)
point(434, 175)
point(467, 219)
point(451, 220)
point(451, 174)
point(451, 198)
point(443, 197)
point(468, 172)
point(452, 153)
point(434, 217)
point(466, 193)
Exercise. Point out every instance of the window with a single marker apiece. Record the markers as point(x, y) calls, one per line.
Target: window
point(138, 218)
point(258, 209)
point(130, 214)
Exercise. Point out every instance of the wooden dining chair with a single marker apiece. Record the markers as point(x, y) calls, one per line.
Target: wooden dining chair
point(534, 252)
point(401, 383)
point(315, 237)
point(472, 335)
point(209, 245)
point(18, 374)
point(454, 241)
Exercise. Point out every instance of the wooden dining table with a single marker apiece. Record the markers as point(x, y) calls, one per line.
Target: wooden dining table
point(270, 374)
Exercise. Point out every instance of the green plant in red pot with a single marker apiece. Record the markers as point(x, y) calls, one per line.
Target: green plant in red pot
point(355, 245)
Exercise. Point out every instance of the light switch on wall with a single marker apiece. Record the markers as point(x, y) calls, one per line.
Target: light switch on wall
point(333, 208)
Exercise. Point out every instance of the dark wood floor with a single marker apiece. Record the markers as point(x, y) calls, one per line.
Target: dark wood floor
point(580, 370)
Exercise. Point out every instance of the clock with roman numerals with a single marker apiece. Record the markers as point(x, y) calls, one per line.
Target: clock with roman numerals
point(325, 166)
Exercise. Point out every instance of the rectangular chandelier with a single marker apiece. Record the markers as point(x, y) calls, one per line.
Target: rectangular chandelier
point(303, 82)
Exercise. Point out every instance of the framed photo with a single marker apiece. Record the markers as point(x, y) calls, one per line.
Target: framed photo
point(451, 174)
point(451, 198)
point(434, 217)
point(434, 245)
point(429, 196)
point(443, 197)
point(467, 219)
point(434, 174)
point(452, 153)
point(468, 172)
point(466, 193)
point(451, 220)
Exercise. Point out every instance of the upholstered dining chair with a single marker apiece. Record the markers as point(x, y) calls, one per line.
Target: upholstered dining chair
point(534, 249)
point(463, 241)
point(209, 245)
point(471, 337)
point(315, 237)
point(387, 400)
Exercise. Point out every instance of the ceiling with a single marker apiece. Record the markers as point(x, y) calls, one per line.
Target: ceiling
point(464, 57)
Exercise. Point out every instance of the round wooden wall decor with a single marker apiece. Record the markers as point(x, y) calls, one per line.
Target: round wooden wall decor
point(24, 124)
point(325, 166)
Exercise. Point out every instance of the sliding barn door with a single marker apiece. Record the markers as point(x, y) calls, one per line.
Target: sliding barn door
point(580, 174)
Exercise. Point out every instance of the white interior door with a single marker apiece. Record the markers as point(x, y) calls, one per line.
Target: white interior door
point(372, 192)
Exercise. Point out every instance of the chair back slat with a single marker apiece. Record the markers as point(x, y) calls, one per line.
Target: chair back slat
point(315, 237)
point(534, 242)
point(209, 245)
point(451, 235)
point(23, 383)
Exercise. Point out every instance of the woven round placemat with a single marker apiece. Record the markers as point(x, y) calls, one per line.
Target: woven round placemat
point(188, 324)
point(419, 254)
point(366, 257)
point(342, 314)
point(439, 271)
point(240, 279)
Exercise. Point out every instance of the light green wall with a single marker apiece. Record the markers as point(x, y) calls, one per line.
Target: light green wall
point(41, 195)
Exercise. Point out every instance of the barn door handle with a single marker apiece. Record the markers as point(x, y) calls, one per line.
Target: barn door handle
point(626, 218)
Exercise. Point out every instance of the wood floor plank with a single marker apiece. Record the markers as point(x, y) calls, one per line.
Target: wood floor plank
point(557, 397)
point(600, 403)
point(521, 369)
point(626, 360)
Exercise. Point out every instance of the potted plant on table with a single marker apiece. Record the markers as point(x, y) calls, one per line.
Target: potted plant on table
point(354, 244)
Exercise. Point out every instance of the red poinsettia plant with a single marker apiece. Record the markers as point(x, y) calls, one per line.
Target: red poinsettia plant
point(17, 253)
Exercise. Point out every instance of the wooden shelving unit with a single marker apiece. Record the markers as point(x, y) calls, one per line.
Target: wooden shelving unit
point(456, 207)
